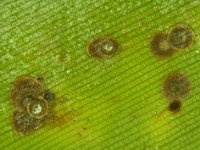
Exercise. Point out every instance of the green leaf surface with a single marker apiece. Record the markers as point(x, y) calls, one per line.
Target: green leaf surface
point(110, 104)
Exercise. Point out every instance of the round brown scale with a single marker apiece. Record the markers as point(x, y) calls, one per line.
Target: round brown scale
point(160, 46)
point(24, 124)
point(102, 48)
point(175, 106)
point(24, 90)
point(176, 86)
point(38, 108)
point(181, 36)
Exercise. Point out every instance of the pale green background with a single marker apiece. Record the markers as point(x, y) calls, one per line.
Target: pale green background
point(119, 100)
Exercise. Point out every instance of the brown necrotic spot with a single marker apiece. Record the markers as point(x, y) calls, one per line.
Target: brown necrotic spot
point(181, 36)
point(160, 45)
point(101, 48)
point(24, 124)
point(24, 90)
point(176, 86)
point(175, 106)
point(38, 108)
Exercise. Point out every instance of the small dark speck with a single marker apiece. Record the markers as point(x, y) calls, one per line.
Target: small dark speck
point(175, 106)
point(84, 128)
point(49, 95)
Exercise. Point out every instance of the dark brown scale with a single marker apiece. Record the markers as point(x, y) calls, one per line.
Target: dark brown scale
point(24, 124)
point(176, 86)
point(24, 90)
point(38, 108)
point(160, 46)
point(102, 48)
point(181, 36)
point(49, 95)
point(175, 106)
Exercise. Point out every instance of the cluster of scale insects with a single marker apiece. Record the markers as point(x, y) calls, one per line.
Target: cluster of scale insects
point(33, 104)
point(176, 86)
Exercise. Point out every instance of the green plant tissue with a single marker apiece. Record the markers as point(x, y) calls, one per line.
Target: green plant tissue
point(112, 104)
